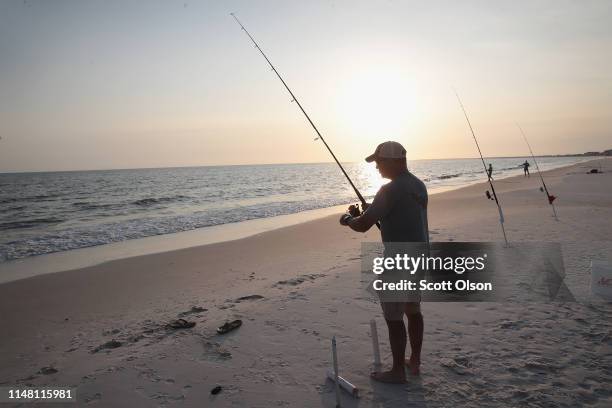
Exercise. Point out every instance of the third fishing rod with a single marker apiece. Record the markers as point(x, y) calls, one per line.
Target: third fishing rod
point(499, 208)
point(550, 197)
point(294, 99)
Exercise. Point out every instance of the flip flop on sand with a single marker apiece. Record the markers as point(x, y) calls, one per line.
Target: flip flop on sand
point(180, 324)
point(229, 326)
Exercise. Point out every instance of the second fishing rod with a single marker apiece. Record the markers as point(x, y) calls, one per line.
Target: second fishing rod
point(494, 195)
point(294, 99)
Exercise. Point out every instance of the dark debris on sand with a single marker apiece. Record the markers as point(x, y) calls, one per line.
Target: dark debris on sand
point(250, 297)
point(47, 370)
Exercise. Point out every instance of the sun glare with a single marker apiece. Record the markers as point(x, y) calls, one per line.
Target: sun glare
point(377, 103)
point(372, 179)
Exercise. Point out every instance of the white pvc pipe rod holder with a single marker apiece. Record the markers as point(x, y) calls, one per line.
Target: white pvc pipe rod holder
point(375, 346)
point(344, 384)
point(335, 362)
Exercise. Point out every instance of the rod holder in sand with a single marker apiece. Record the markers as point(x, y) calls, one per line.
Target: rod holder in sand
point(375, 346)
point(344, 384)
point(335, 378)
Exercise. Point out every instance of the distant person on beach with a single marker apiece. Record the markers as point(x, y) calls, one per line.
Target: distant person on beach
point(526, 168)
point(401, 208)
point(490, 170)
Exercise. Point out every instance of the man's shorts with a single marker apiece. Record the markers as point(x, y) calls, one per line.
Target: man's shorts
point(395, 305)
point(396, 310)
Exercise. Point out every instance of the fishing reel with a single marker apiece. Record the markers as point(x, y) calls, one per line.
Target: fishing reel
point(550, 197)
point(488, 195)
point(354, 210)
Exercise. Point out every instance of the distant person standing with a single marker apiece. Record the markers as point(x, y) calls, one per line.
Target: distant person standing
point(526, 168)
point(490, 170)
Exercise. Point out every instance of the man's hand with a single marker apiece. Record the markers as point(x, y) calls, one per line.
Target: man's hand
point(344, 220)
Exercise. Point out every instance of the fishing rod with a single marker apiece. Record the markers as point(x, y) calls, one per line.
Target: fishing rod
point(499, 208)
point(550, 197)
point(294, 99)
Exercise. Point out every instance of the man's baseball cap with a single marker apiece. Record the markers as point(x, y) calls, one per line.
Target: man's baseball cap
point(387, 150)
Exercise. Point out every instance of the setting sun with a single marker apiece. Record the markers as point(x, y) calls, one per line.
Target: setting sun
point(377, 101)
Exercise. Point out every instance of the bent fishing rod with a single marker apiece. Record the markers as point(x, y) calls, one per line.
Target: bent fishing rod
point(499, 208)
point(550, 197)
point(294, 99)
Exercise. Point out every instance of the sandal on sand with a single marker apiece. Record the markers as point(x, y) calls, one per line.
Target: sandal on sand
point(229, 326)
point(180, 324)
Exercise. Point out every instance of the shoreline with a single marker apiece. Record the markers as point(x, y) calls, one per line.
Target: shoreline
point(90, 256)
point(54, 262)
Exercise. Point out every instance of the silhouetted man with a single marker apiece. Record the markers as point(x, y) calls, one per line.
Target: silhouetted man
point(401, 208)
point(526, 168)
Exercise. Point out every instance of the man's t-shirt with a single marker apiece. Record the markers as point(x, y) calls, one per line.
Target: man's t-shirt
point(401, 208)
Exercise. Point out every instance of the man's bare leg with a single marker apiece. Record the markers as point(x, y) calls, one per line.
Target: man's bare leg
point(415, 333)
point(397, 338)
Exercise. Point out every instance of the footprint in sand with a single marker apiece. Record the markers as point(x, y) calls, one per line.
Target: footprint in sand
point(300, 279)
point(150, 330)
point(214, 352)
point(297, 296)
point(513, 325)
point(276, 325)
point(457, 365)
point(310, 332)
point(193, 310)
point(109, 345)
point(541, 365)
point(96, 397)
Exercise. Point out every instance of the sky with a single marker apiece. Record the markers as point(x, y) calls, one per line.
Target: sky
point(131, 84)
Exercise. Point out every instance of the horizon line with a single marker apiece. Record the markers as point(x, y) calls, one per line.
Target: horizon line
point(279, 164)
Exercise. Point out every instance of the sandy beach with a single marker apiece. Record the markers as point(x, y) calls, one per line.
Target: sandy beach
point(102, 328)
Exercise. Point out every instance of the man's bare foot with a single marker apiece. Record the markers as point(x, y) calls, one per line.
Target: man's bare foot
point(414, 366)
point(392, 377)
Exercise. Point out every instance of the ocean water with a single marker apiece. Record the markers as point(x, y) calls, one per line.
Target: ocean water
point(57, 211)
